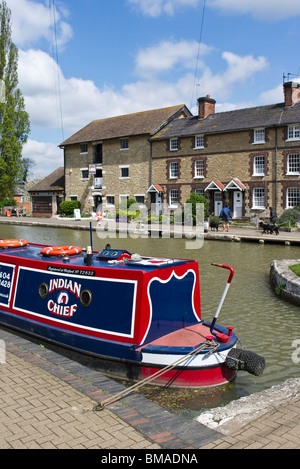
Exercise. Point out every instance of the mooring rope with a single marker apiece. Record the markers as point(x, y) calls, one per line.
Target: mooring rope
point(210, 344)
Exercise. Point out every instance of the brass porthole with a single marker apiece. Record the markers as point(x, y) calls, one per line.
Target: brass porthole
point(43, 290)
point(85, 298)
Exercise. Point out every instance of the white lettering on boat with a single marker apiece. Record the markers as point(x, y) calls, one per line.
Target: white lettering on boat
point(65, 284)
point(60, 310)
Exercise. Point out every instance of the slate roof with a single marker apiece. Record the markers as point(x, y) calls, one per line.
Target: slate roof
point(138, 123)
point(249, 118)
point(54, 182)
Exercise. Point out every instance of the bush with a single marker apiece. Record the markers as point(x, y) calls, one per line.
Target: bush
point(195, 199)
point(8, 203)
point(68, 207)
point(290, 215)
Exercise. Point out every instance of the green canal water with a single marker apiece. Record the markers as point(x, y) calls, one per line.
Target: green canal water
point(263, 322)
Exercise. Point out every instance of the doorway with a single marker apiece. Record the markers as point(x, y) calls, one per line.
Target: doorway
point(237, 204)
point(218, 202)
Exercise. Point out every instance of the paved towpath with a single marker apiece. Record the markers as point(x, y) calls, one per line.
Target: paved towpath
point(48, 402)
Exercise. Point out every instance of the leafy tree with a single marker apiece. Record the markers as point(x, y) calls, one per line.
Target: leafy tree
point(195, 199)
point(14, 120)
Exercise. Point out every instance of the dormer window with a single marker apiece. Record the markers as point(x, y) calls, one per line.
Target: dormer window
point(293, 132)
point(259, 136)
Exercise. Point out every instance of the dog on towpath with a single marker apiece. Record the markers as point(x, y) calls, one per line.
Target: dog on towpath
point(267, 228)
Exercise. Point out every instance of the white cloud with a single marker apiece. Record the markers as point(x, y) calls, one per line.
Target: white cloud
point(33, 21)
point(47, 157)
point(264, 10)
point(163, 57)
point(155, 8)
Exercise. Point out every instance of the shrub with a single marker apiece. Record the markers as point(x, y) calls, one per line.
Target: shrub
point(8, 203)
point(195, 199)
point(290, 215)
point(68, 206)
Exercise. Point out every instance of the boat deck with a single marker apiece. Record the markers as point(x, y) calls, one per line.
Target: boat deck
point(105, 259)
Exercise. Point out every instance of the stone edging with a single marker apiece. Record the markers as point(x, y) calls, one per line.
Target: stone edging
point(284, 282)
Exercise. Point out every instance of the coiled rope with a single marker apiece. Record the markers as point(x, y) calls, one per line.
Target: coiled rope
point(208, 344)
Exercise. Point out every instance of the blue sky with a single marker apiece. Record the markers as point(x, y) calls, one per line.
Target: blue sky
point(121, 56)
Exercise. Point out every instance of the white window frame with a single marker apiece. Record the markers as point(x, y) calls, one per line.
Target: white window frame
point(291, 164)
point(259, 165)
point(84, 170)
point(140, 204)
point(108, 205)
point(199, 142)
point(259, 136)
point(199, 172)
point(174, 144)
point(291, 197)
point(293, 132)
point(258, 201)
point(121, 169)
point(174, 172)
point(172, 198)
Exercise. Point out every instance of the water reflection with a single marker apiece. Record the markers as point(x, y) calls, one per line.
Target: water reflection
point(263, 322)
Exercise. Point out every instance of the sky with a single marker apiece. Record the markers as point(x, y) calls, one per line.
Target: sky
point(81, 60)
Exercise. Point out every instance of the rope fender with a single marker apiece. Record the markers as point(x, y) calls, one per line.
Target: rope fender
point(239, 359)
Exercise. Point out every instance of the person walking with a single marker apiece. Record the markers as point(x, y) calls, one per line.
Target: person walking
point(226, 217)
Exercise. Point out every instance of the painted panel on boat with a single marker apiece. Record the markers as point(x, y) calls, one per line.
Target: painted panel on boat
point(96, 304)
point(172, 303)
point(6, 281)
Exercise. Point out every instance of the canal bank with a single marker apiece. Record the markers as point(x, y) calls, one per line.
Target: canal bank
point(279, 423)
point(235, 234)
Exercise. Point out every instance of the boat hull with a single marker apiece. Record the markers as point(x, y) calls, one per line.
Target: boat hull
point(134, 318)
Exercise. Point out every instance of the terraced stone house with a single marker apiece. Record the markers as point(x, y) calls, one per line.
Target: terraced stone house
point(109, 160)
point(249, 158)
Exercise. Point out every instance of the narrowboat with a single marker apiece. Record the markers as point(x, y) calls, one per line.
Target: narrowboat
point(139, 317)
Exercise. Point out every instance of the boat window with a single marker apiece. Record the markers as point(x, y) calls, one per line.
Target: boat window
point(85, 298)
point(43, 290)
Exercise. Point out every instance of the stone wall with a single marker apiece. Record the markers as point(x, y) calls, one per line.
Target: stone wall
point(284, 282)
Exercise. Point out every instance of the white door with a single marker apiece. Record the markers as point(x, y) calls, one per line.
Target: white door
point(218, 202)
point(237, 204)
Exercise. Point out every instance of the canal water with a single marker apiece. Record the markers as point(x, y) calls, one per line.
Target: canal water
point(263, 322)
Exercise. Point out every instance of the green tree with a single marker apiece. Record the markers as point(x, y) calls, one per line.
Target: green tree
point(14, 120)
point(195, 199)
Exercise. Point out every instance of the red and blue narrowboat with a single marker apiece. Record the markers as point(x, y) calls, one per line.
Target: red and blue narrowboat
point(140, 317)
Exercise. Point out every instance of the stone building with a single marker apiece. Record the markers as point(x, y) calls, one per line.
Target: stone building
point(109, 160)
point(47, 195)
point(249, 158)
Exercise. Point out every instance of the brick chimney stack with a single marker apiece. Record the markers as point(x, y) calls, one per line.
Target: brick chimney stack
point(291, 93)
point(206, 106)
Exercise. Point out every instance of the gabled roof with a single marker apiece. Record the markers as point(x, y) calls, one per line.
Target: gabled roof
point(235, 184)
point(139, 123)
point(54, 182)
point(215, 185)
point(155, 188)
point(241, 119)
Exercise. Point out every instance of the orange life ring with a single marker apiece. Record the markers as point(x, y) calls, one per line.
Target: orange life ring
point(61, 251)
point(12, 243)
